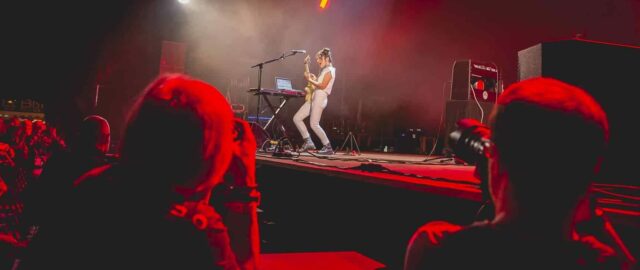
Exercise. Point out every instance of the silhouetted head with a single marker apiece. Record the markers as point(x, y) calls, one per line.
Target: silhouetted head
point(180, 130)
point(94, 135)
point(27, 125)
point(38, 127)
point(549, 140)
point(15, 130)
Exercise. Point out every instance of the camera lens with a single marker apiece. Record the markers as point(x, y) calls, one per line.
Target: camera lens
point(471, 140)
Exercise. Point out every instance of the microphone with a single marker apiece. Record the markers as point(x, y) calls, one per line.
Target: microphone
point(298, 51)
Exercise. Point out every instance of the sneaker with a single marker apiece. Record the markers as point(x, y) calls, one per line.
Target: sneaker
point(308, 145)
point(326, 150)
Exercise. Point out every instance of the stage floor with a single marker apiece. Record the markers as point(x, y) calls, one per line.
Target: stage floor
point(435, 174)
point(431, 174)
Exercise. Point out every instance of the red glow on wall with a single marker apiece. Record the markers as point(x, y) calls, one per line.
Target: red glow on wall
point(324, 3)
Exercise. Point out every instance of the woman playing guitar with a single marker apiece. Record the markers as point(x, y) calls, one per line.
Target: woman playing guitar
point(318, 91)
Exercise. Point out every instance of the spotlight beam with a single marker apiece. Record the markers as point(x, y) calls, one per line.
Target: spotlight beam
point(323, 3)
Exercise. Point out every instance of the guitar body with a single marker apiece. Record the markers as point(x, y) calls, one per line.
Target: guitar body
point(309, 90)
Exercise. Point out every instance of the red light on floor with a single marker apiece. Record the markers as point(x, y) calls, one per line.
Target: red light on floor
point(324, 3)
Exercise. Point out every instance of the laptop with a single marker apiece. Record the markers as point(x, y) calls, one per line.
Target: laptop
point(283, 84)
point(284, 88)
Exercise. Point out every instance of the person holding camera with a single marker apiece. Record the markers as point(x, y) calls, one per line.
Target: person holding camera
point(546, 146)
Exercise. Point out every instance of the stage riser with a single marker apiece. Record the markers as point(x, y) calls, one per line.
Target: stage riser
point(316, 212)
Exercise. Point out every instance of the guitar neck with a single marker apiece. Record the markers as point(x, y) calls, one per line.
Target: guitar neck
point(306, 67)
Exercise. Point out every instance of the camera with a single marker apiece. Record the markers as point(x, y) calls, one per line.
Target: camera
point(471, 141)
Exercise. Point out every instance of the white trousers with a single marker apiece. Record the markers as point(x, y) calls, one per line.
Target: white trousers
point(314, 108)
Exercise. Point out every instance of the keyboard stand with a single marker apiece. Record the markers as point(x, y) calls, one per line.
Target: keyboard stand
point(275, 112)
point(279, 150)
point(280, 146)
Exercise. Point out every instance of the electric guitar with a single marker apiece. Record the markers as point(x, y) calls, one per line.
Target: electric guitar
point(310, 87)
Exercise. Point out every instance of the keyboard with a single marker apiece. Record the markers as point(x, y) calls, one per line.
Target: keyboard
point(278, 92)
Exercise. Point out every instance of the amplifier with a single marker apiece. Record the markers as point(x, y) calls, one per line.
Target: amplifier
point(475, 80)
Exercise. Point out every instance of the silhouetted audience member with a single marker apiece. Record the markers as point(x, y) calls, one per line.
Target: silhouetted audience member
point(152, 209)
point(13, 161)
point(52, 141)
point(45, 196)
point(548, 142)
point(22, 143)
point(6, 155)
point(36, 146)
point(15, 136)
point(3, 128)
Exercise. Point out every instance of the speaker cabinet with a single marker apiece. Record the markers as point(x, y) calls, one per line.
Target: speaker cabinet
point(609, 72)
point(473, 80)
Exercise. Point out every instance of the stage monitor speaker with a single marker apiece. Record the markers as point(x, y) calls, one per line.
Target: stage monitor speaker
point(459, 109)
point(473, 80)
point(607, 71)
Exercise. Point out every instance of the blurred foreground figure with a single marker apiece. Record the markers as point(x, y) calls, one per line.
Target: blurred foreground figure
point(154, 209)
point(547, 143)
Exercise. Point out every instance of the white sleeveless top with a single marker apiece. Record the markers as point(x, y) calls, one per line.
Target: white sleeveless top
point(333, 78)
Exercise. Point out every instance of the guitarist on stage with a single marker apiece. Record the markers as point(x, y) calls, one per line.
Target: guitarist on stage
point(318, 90)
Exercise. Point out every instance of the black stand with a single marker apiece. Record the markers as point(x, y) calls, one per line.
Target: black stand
point(280, 146)
point(448, 152)
point(352, 141)
point(275, 112)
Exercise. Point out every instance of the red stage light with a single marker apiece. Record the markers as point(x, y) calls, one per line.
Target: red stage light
point(324, 3)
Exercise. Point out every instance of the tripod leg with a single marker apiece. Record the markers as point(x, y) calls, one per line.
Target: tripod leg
point(351, 139)
point(357, 147)
point(343, 144)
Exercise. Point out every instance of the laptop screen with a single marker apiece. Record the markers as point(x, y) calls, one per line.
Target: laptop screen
point(283, 83)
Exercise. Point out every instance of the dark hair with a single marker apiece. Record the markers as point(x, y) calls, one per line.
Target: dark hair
point(94, 134)
point(326, 53)
point(550, 137)
point(182, 128)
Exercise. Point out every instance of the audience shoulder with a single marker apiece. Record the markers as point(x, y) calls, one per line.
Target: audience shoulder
point(433, 232)
point(90, 175)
